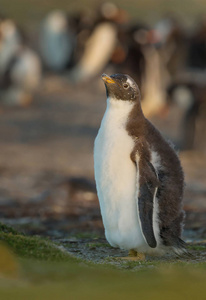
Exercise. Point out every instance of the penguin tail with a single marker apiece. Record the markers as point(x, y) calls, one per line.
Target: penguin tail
point(180, 249)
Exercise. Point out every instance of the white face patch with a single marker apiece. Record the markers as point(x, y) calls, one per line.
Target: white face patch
point(129, 81)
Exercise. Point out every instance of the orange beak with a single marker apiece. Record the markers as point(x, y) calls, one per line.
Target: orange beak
point(107, 79)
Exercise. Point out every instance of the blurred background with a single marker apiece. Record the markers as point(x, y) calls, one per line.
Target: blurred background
point(52, 99)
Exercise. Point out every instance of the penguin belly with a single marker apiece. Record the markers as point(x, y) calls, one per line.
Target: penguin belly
point(117, 187)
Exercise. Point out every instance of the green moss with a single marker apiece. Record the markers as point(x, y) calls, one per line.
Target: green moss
point(197, 247)
point(34, 247)
point(98, 245)
point(8, 229)
point(47, 272)
point(95, 283)
point(86, 235)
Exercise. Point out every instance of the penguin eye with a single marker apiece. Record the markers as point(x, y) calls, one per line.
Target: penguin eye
point(125, 86)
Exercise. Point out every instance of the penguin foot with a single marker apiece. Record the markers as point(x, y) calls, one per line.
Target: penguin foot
point(133, 256)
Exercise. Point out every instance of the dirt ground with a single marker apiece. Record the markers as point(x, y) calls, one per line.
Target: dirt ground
point(46, 169)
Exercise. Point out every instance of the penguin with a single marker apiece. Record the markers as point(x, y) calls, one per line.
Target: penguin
point(138, 176)
point(56, 41)
point(20, 67)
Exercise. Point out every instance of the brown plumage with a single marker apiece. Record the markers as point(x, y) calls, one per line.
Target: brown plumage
point(170, 176)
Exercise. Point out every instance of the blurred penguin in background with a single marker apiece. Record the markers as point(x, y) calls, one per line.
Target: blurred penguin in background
point(128, 56)
point(188, 97)
point(172, 44)
point(20, 67)
point(184, 108)
point(113, 42)
point(184, 57)
point(136, 55)
point(81, 23)
point(100, 44)
point(56, 41)
point(10, 41)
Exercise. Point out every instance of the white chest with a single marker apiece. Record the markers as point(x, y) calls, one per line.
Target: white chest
point(116, 178)
point(113, 147)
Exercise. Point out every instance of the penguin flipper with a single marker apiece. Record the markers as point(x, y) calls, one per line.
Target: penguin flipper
point(148, 185)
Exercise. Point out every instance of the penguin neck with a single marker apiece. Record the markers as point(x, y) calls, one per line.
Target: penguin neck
point(119, 108)
point(128, 110)
point(118, 103)
point(136, 123)
point(116, 114)
point(123, 113)
point(128, 106)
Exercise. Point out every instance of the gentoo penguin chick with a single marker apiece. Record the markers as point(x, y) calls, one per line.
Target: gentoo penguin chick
point(138, 176)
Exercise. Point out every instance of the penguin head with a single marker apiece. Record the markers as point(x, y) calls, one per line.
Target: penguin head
point(121, 87)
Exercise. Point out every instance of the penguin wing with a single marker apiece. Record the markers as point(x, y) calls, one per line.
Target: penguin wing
point(148, 185)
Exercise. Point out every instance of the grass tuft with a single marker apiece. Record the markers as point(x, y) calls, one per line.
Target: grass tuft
point(32, 247)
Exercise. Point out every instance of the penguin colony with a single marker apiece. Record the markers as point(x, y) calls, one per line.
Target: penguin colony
point(138, 176)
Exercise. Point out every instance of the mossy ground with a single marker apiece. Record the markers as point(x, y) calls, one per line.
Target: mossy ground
point(31, 247)
point(35, 268)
